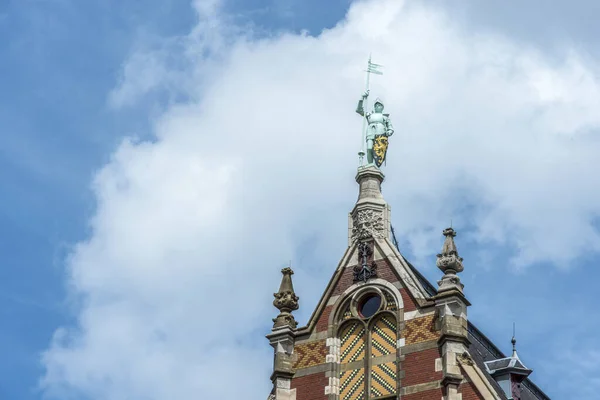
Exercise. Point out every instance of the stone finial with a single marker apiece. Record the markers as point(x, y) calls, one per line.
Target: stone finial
point(449, 259)
point(450, 263)
point(285, 301)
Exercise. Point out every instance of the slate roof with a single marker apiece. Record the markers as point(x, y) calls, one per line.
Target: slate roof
point(481, 348)
point(504, 363)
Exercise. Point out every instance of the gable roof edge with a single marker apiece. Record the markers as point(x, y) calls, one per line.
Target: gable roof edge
point(312, 321)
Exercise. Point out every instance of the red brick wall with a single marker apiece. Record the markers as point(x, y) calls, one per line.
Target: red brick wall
point(435, 394)
point(409, 304)
point(384, 271)
point(323, 321)
point(310, 387)
point(469, 392)
point(346, 280)
point(419, 367)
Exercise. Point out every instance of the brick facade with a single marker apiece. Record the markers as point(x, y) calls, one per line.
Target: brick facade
point(409, 304)
point(419, 367)
point(434, 394)
point(310, 387)
point(469, 392)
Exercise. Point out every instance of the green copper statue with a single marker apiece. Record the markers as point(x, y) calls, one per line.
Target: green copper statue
point(378, 130)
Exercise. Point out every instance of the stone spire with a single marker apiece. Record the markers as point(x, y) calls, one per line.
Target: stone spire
point(450, 263)
point(370, 218)
point(282, 338)
point(285, 301)
point(451, 312)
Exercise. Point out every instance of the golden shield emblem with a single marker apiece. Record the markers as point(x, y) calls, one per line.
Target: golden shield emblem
point(380, 145)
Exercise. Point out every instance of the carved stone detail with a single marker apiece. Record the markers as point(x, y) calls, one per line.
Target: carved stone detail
point(366, 267)
point(448, 260)
point(368, 223)
point(285, 301)
point(465, 358)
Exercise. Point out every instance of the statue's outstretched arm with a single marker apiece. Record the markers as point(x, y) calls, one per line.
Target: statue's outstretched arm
point(359, 109)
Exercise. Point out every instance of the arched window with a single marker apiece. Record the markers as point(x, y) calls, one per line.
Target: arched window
point(368, 336)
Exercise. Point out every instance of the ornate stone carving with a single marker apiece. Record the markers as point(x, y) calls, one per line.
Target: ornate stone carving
point(450, 263)
point(448, 260)
point(465, 358)
point(368, 223)
point(366, 268)
point(286, 301)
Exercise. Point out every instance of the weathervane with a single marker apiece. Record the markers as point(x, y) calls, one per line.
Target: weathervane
point(377, 126)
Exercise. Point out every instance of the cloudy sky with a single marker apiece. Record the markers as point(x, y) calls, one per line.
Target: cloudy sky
point(161, 161)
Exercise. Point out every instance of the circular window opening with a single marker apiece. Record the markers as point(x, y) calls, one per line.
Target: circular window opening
point(369, 305)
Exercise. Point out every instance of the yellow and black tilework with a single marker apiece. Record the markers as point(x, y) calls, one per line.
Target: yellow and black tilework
point(383, 337)
point(352, 340)
point(352, 348)
point(310, 354)
point(352, 384)
point(383, 342)
point(383, 379)
point(420, 330)
point(391, 302)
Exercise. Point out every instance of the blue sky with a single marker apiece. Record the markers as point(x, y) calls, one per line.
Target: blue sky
point(62, 157)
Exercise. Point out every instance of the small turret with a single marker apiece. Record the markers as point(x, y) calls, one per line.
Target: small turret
point(509, 372)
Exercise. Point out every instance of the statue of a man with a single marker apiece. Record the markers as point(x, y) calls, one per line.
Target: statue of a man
point(379, 129)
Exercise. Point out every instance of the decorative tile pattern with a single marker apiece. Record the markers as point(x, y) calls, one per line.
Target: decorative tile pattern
point(310, 354)
point(352, 343)
point(352, 384)
point(383, 379)
point(391, 302)
point(383, 337)
point(420, 330)
point(352, 348)
point(383, 342)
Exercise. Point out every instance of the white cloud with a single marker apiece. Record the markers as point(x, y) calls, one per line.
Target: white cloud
point(190, 230)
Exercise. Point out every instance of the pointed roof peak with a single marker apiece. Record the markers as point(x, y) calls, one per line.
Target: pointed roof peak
point(514, 348)
point(513, 341)
point(449, 246)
